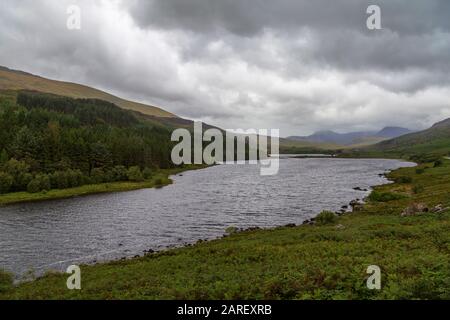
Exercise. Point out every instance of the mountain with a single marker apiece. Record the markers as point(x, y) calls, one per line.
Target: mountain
point(392, 132)
point(433, 140)
point(353, 138)
point(15, 80)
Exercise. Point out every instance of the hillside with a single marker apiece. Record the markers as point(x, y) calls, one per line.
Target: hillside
point(435, 140)
point(18, 80)
point(359, 138)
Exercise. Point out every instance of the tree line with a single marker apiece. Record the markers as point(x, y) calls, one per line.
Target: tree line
point(52, 142)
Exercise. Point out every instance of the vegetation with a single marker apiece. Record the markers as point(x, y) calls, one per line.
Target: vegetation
point(426, 146)
point(49, 142)
point(306, 262)
point(17, 80)
point(6, 281)
point(158, 179)
point(326, 217)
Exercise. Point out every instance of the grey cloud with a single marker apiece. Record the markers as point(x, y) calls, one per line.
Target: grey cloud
point(296, 65)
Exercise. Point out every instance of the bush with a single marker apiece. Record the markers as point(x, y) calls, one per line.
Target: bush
point(135, 174)
point(438, 163)
point(97, 175)
point(147, 173)
point(159, 182)
point(326, 217)
point(425, 158)
point(40, 183)
point(403, 179)
point(120, 173)
point(74, 178)
point(23, 180)
point(6, 281)
point(418, 189)
point(420, 170)
point(6, 182)
point(59, 180)
point(384, 196)
point(19, 170)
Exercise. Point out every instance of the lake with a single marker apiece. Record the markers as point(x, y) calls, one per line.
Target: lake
point(200, 205)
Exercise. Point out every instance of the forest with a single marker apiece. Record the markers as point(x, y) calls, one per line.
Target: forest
point(52, 142)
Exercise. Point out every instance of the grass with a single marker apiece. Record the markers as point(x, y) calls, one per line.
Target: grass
point(307, 262)
point(160, 179)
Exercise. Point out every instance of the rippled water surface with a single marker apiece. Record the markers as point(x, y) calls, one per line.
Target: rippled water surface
point(199, 205)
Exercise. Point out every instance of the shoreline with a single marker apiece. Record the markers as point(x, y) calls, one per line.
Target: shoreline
point(92, 189)
point(360, 202)
point(376, 234)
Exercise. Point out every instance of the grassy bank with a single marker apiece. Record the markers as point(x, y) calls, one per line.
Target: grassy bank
point(160, 179)
point(306, 262)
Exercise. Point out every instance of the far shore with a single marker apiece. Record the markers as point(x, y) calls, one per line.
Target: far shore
point(159, 180)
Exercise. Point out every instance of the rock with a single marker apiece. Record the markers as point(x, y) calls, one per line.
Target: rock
point(414, 209)
point(344, 207)
point(305, 222)
point(356, 205)
point(290, 225)
point(340, 227)
point(439, 208)
point(360, 189)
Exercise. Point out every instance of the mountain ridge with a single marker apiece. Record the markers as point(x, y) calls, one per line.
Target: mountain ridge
point(16, 80)
point(349, 138)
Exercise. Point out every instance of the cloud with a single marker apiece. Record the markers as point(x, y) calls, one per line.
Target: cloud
point(296, 65)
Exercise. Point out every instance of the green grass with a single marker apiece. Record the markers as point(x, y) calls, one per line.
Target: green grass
point(308, 262)
point(160, 179)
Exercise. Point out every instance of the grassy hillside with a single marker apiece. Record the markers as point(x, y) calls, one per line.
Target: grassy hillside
point(17, 80)
point(308, 262)
point(435, 140)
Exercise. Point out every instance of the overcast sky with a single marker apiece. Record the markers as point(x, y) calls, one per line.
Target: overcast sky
point(296, 65)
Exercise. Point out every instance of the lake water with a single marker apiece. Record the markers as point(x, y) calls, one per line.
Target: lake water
point(199, 205)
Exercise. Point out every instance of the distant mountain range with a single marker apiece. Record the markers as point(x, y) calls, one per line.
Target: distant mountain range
point(433, 140)
point(353, 138)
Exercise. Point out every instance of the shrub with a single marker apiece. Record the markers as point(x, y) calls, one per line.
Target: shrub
point(34, 186)
point(425, 158)
point(18, 170)
point(418, 189)
point(6, 281)
point(97, 175)
point(22, 180)
point(420, 170)
point(75, 178)
point(59, 180)
point(326, 217)
point(159, 182)
point(6, 182)
point(40, 183)
point(438, 163)
point(384, 196)
point(120, 173)
point(403, 179)
point(135, 174)
point(147, 173)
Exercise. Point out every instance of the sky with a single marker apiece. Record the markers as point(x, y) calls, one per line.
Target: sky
point(295, 65)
